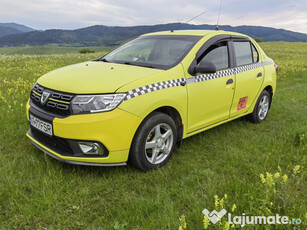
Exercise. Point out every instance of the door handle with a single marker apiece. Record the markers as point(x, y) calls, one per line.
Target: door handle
point(230, 81)
point(183, 83)
point(259, 74)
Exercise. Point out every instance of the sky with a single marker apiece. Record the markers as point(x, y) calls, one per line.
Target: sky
point(73, 14)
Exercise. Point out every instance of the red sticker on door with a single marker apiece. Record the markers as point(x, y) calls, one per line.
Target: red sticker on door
point(242, 103)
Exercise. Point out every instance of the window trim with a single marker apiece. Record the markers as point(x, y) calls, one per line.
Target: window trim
point(228, 54)
point(252, 45)
point(206, 45)
point(241, 39)
point(231, 51)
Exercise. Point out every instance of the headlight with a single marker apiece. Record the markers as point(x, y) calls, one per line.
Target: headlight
point(96, 103)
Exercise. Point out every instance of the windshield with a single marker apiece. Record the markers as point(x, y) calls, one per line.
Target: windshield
point(159, 51)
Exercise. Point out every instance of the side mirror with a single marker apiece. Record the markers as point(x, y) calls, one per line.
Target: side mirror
point(205, 67)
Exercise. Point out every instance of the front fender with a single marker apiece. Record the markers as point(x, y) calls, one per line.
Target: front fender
point(143, 105)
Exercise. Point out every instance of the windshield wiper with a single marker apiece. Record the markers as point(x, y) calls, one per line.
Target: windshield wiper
point(138, 64)
point(147, 66)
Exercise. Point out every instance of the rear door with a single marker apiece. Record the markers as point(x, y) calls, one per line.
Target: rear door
point(249, 75)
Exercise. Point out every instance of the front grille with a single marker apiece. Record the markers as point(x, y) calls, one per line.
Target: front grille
point(57, 102)
point(56, 144)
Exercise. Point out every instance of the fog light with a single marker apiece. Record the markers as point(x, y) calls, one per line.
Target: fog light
point(91, 148)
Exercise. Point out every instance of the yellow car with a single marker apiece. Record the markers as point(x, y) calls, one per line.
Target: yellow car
point(138, 102)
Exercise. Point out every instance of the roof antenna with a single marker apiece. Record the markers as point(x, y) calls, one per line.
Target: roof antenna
point(218, 18)
point(189, 20)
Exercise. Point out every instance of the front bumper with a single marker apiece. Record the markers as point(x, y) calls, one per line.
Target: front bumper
point(114, 130)
point(65, 159)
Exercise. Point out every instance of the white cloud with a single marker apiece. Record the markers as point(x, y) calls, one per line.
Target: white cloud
point(71, 14)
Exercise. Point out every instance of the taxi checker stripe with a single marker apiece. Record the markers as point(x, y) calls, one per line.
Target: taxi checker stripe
point(223, 73)
point(153, 87)
point(204, 77)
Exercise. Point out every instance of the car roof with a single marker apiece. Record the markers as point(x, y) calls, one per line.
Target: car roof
point(195, 33)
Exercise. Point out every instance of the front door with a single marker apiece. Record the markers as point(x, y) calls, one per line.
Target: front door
point(210, 95)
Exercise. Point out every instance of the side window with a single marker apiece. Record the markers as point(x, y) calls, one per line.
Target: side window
point(255, 54)
point(243, 53)
point(218, 55)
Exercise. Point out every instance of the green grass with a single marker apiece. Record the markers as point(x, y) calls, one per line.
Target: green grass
point(46, 50)
point(38, 192)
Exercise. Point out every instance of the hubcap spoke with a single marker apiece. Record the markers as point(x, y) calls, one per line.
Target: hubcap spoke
point(165, 150)
point(155, 153)
point(150, 145)
point(167, 134)
point(259, 113)
point(157, 131)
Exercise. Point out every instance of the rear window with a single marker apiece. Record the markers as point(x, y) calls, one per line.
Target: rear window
point(243, 52)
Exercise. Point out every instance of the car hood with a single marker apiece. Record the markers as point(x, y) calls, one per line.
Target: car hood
point(93, 77)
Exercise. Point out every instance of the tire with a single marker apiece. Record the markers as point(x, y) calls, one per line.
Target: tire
point(261, 109)
point(154, 142)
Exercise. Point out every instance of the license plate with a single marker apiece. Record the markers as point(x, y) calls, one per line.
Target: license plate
point(43, 126)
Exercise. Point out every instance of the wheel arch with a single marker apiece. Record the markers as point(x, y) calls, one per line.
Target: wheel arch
point(268, 86)
point(269, 89)
point(175, 115)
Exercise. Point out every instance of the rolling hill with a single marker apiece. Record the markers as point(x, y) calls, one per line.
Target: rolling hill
point(13, 28)
point(112, 35)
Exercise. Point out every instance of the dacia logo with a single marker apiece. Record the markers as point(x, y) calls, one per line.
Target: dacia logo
point(45, 97)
